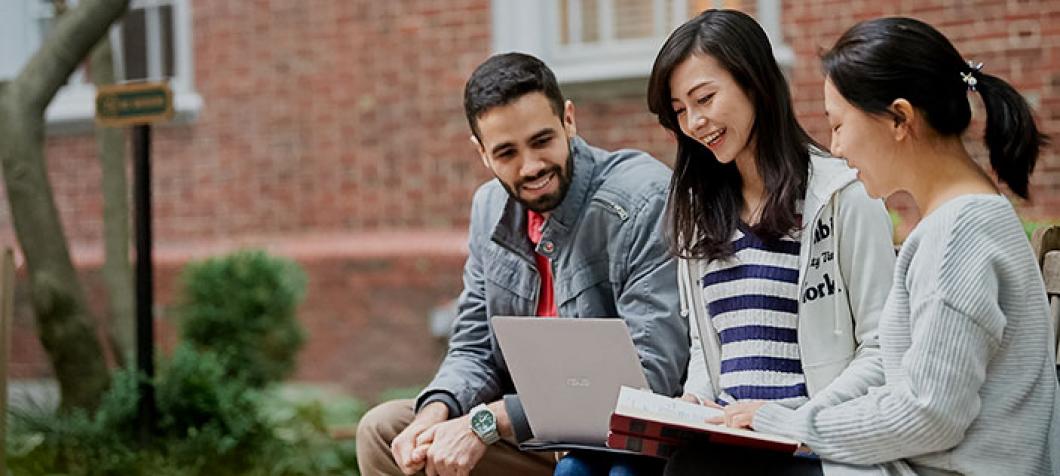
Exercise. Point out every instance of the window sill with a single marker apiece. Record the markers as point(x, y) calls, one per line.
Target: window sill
point(635, 67)
point(74, 111)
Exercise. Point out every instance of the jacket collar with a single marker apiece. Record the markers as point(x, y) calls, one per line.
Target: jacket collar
point(568, 211)
point(511, 228)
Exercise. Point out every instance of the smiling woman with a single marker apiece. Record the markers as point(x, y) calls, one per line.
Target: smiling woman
point(708, 80)
point(785, 261)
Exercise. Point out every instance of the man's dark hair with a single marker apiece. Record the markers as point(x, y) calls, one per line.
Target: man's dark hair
point(504, 78)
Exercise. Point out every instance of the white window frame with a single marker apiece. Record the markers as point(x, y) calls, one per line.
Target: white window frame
point(74, 105)
point(532, 27)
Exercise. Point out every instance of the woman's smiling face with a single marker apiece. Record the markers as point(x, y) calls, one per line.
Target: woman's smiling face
point(711, 108)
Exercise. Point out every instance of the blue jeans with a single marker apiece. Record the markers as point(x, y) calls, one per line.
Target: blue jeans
point(591, 463)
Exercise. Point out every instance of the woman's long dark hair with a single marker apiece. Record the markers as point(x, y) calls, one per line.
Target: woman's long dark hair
point(705, 195)
point(878, 61)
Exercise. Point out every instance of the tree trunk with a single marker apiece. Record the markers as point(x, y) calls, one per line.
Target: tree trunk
point(117, 273)
point(63, 322)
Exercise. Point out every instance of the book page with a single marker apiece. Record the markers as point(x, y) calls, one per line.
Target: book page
point(636, 399)
point(669, 411)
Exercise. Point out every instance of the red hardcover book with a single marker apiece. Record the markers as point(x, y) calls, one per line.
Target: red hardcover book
point(650, 429)
point(642, 413)
point(643, 445)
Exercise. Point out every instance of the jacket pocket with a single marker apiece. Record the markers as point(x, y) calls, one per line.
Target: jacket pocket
point(507, 273)
point(588, 291)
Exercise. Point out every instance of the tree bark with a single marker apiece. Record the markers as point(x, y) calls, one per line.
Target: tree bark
point(117, 272)
point(64, 325)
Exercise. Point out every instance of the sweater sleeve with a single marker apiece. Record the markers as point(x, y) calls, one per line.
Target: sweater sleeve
point(955, 327)
point(927, 412)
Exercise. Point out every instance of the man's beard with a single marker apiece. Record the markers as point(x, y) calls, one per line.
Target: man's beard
point(546, 203)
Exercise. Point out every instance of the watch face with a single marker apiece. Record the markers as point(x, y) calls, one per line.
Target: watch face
point(482, 421)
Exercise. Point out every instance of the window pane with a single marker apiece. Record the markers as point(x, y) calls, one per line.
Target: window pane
point(634, 19)
point(166, 14)
point(135, 42)
point(134, 45)
point(588, 23)
point(697, 6)
point(564, 22)
point(591, 20)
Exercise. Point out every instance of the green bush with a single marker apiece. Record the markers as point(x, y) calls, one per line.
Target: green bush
point(211, 420)
point(303, 422)
point(216, 414)
point(242, 307)
point(1030, 226)
point(208, 424)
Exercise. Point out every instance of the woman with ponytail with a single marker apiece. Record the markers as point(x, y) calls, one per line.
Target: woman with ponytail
point(966, 341)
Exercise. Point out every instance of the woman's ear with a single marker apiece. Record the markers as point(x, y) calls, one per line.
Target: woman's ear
point(904, 115)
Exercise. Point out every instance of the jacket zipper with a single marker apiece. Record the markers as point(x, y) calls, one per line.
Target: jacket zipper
point(621, 212)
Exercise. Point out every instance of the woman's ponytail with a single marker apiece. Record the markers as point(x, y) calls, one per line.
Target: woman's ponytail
point(1011, 133)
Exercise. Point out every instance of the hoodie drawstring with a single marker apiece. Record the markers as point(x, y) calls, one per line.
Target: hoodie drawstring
point(682, 285)
point(837, 329)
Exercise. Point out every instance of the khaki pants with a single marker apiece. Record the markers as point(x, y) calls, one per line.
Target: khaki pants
point(383, 423)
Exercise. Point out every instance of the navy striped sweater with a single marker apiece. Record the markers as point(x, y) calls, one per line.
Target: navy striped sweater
point(752, 298)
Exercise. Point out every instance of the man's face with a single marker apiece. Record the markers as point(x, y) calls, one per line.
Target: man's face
point(527, 147)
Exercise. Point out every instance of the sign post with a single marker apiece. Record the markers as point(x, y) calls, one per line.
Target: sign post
point(139, 105)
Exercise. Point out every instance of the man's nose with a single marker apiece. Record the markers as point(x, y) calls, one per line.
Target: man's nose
point(533, 164)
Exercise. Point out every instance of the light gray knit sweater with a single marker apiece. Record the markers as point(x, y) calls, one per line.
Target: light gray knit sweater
point(967, 351)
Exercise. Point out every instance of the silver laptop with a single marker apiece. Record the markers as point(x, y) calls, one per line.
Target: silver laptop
point(568, 372)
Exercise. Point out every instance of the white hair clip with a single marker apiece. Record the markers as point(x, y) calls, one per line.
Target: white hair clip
point(969, 76)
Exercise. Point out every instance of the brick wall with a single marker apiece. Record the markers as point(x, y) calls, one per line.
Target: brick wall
point(1017, 40)
point(365, 318)
point(335, 127)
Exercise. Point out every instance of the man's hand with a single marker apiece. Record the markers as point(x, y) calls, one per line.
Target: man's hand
point(404, 445)
point(454, 449)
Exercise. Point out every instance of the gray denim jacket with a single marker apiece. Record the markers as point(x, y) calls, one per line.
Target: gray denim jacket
point(609, 258)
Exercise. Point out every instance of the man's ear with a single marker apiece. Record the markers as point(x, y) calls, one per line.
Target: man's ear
point(904, 117)
point(481, 151)
point(569, 125)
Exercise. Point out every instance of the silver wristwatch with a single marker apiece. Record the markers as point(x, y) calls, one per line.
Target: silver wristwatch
point(484, 424)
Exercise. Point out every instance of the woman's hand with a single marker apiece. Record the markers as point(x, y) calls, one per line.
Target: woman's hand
point(690, 398)
point(738, 414)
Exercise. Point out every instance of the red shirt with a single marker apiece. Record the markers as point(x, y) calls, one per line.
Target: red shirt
point(546, 300)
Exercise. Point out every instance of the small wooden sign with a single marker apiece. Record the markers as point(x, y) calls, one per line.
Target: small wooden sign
point(131, 104)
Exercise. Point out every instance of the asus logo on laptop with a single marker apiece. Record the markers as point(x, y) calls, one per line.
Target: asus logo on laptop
point(577, 382)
